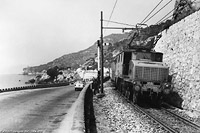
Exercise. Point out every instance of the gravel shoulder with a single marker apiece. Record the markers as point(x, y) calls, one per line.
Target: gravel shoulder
point(114, 115)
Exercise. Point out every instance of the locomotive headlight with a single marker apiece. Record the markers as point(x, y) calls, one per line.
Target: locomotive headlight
point(134, 83)
point(167, 88)
point(137, 88)
point(167, 85)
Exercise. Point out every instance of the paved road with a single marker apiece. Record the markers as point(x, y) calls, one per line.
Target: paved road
point(35, 110)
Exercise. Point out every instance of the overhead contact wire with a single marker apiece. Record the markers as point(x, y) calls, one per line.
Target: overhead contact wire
point(158, 11)
point(151, 11)
point(112, 12)
point(163, 18)
point(118, 23)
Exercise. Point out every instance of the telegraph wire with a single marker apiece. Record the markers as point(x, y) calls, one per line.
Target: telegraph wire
point(151, 11)
point(158, 11)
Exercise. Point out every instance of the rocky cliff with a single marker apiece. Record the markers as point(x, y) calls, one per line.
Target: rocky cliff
point(180, 45)
point(184, 8)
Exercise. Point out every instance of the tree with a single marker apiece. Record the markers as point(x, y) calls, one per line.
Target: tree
point(53, 72)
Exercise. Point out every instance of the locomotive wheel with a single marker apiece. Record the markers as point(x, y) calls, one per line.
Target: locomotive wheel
point(120, 88)
point(117, 84)
point(124, 89)
point(135, 98)
point(127, 93)
point(155, 100)
point(158, 101)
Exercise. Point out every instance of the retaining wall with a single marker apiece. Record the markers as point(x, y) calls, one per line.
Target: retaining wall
point(180, 45)
point(80, 117)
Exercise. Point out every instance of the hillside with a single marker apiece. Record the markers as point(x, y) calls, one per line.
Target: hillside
point(74, 60)
point(146, 37)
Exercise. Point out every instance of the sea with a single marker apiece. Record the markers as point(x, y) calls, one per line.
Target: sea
point(14, 80)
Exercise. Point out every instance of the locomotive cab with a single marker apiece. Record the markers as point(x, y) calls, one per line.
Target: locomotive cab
point(141, 73)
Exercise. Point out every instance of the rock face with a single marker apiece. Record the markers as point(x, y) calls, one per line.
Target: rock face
point(184, 8)
point(181, 47)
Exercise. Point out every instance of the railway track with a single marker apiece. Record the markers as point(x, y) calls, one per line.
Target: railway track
point(186, 121)
point(149, 115)
point(170, 121)
point(173, 121)
point(168, 128)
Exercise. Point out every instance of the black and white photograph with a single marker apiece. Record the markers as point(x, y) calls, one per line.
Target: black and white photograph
point(100, 66)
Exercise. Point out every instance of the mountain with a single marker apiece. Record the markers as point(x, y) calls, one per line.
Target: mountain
point(146, 37)
point(116, 43)
point(75, 60)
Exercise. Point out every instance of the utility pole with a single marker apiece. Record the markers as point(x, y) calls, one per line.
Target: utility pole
point(98, 55)
point(101, 45)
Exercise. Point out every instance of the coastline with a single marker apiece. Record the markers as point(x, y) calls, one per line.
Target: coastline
point(14, 80)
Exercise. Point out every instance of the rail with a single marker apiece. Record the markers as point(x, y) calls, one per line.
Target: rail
point(155, 119)
point(183, 119)
point(168, 128)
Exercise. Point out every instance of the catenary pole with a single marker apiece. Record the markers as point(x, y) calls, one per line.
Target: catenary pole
point(101, 52)
point(98, 55)
point(102, 73)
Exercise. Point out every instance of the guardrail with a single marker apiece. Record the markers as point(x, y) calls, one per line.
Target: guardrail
point(33, 87)
point(78, 118)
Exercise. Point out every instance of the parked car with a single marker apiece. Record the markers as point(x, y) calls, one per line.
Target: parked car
point(79, 85)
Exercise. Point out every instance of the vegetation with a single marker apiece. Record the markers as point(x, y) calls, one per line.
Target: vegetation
point(53, 72)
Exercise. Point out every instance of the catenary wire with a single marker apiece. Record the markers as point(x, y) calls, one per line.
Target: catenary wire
point(118, 23)
point(164, 18)
point(158, 11)
point(151, 11)
point(112, 12)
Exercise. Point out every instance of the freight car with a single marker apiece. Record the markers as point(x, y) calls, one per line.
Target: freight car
point(141, 74)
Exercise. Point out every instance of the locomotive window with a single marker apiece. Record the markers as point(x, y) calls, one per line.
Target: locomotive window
point(143, 56)
point(157, 57)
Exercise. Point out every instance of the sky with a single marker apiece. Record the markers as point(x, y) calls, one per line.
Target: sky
point(35, 32)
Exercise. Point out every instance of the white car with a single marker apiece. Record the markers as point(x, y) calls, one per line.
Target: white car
point(79, 85)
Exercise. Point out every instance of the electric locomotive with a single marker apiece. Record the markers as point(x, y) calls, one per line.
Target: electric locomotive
point(140, 74)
